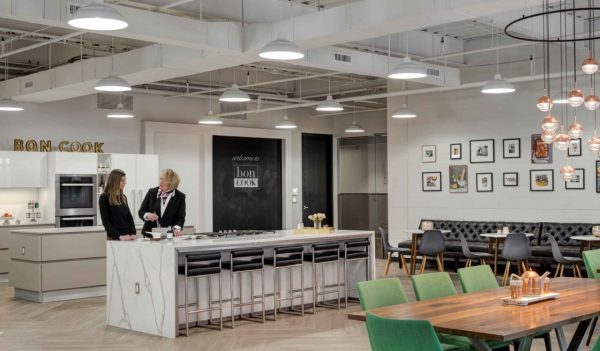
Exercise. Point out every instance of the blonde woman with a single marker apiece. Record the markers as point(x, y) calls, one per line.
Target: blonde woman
point(114, 211)
point(164, 205)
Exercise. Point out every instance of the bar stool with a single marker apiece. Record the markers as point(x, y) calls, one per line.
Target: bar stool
point(287, 257)
point(198, 266)
point(250, 261)
point(354, 251)
point(320, 255)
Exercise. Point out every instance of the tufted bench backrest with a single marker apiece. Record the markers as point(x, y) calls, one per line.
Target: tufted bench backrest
point(562, 232)
point(472, 229)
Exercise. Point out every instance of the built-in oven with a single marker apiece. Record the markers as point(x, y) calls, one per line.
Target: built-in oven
point(76, 199)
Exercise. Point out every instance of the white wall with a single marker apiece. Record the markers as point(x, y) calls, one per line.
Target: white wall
point(463, 115)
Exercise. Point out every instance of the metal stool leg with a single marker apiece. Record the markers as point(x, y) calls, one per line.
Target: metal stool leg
point(187, 316)
point(232, 298)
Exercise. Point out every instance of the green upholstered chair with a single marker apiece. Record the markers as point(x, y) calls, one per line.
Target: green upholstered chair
point(432, 285)
point(477, 278)
point(591, 259)
point(597, 345)
point(406, 335)
point(380, 293)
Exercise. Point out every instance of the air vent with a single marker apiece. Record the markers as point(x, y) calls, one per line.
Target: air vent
point(341, 57)
point(72, 7)
point(28, 84)
point(227, 107)
point(433, 72)
point(110, 101)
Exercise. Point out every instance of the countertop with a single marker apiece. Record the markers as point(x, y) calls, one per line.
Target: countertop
point(25, 223)
point(71, 230)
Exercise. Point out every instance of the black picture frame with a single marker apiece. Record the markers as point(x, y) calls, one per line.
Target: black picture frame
point(550, 172)
point(581, 172)
point(516, 174)
point(598, 176)
point(504, 154)
point(428, 158)
point(423, 174)
point(459, 157)
point(490, 151)
point(577, 152)
point(491, 188)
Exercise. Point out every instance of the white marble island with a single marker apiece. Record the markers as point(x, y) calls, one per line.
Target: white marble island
point(144, 290)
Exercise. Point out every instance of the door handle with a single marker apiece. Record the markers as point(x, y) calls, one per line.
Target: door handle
point(22, 250)
point(304, 207)
point(137, 288)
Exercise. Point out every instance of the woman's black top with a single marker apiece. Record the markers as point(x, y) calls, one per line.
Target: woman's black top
point(117, 219)
point(174, 212)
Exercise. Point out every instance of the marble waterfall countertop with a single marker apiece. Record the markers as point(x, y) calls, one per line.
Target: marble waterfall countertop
point(68, 230)
point(25, 223)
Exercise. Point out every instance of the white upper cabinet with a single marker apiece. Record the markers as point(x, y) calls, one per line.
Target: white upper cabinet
point(23, 169)
point(75, 163)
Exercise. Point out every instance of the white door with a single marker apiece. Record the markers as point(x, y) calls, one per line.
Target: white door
point(127, 163)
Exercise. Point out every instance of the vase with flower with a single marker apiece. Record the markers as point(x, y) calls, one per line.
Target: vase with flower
point(317, 219)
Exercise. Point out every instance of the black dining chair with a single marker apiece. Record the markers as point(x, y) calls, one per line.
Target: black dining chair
point(432, 244)
point(561, 260)
point(481, 256)
point(516, 248)
point(390, 250)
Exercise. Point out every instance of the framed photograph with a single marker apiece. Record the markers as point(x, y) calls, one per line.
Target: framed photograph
point(428, 153)
point(485, 182)
point(432, 181)
point(482, 151)
point(574, 147)
point(541, 180)
point(511, 148)
point(510, 179)
point(459, 181)
point(578, 180)
point(541, 153)
point(455, 151)
point(598, 176)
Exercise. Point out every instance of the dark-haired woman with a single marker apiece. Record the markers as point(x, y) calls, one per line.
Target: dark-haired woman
point(114, 211)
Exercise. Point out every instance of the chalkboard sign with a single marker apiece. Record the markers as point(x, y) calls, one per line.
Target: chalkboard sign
point(247, 176)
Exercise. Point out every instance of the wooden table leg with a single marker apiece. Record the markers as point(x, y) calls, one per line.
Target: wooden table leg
point(496, 244)
point(581, 248)
point(413, 254)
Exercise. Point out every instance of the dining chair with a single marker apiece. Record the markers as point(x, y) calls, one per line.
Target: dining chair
point(481, 256)
point(597, 345)
point(380, 293)
point(477, 278)
point(432, 244)
point(591, 259)
point(406, 335)
point(516, 248)
point(561, 260)
point(390, 250)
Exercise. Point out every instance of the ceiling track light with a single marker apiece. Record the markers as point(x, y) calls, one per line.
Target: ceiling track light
point(98, 16)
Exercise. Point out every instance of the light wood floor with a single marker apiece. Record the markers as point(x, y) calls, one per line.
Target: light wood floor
point(80, 325)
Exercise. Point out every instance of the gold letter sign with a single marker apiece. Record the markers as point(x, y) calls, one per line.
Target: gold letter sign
point(63, 146)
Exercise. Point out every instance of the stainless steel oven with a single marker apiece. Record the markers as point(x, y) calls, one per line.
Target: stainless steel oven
point(76, 221)
point(76, 197)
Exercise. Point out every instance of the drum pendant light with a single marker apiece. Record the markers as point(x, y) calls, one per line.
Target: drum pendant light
point(112, 83)
point(498, 85)
point(7, 104)
point(404, 112)
point(329, 105)
point(210, 119)
point(354, 127)
point(282, 49)
point(98, 16)
point(285, 123)
point(406, 69)
point(120, 112)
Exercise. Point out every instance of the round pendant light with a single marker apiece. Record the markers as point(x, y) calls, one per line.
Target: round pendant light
point(10, 105)
point(120, 112)
point(567, 172)
point(112, 83)
point(544, 103)
point(407, 70)
point(575, 98)
point(285, 123)
point(594, 144)
point(234, 94)
point(210, 119)
point(548, 136)
point(591, 102)
point(562, 141)
point(589, 65)
point(281, 49)
point(404, 112)
point(549, 123)
point(355, 128)
point(498, 85)
point(329, 105)
point(98, 16)
point(575, 130)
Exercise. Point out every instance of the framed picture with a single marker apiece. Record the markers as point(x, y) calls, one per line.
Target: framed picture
point(455, 151)
point(511, 148)
point(432, 181)
point(428, 153)
point(574, 147)
point(578, 180)
point(482, 151)
point(598, 176)
point(541, 153)
point(510, 179)
point(541, 180)
point(459, 180)
point(485, 182)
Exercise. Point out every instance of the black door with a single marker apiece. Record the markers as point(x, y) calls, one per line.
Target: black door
point(317, 176)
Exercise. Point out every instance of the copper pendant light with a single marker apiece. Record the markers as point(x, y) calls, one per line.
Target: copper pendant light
point(567, 172)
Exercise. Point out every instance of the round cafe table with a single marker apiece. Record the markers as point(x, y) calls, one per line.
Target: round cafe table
point(416, 234)
point(494, 240)
point(585, 240)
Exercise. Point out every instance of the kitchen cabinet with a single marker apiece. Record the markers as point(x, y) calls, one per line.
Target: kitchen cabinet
point(75, 163)
point(142, 174)
point(23, 169)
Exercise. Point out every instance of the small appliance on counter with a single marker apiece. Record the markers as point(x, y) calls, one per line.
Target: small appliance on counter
point(76, 200)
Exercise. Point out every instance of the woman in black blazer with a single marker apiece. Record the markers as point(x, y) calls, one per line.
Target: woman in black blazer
point(114, 210)
point(164, 205)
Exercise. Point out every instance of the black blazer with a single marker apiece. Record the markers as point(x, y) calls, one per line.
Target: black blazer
point(117, 220)
point(174, 213)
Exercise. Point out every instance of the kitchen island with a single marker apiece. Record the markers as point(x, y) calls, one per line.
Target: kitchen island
point(144, 289)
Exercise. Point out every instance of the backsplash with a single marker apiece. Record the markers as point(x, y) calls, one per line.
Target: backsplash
point(15, 201)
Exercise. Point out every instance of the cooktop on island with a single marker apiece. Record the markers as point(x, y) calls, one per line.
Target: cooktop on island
point(234, 234)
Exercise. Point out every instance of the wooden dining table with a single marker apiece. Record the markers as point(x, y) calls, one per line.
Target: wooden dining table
point(483, 316)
